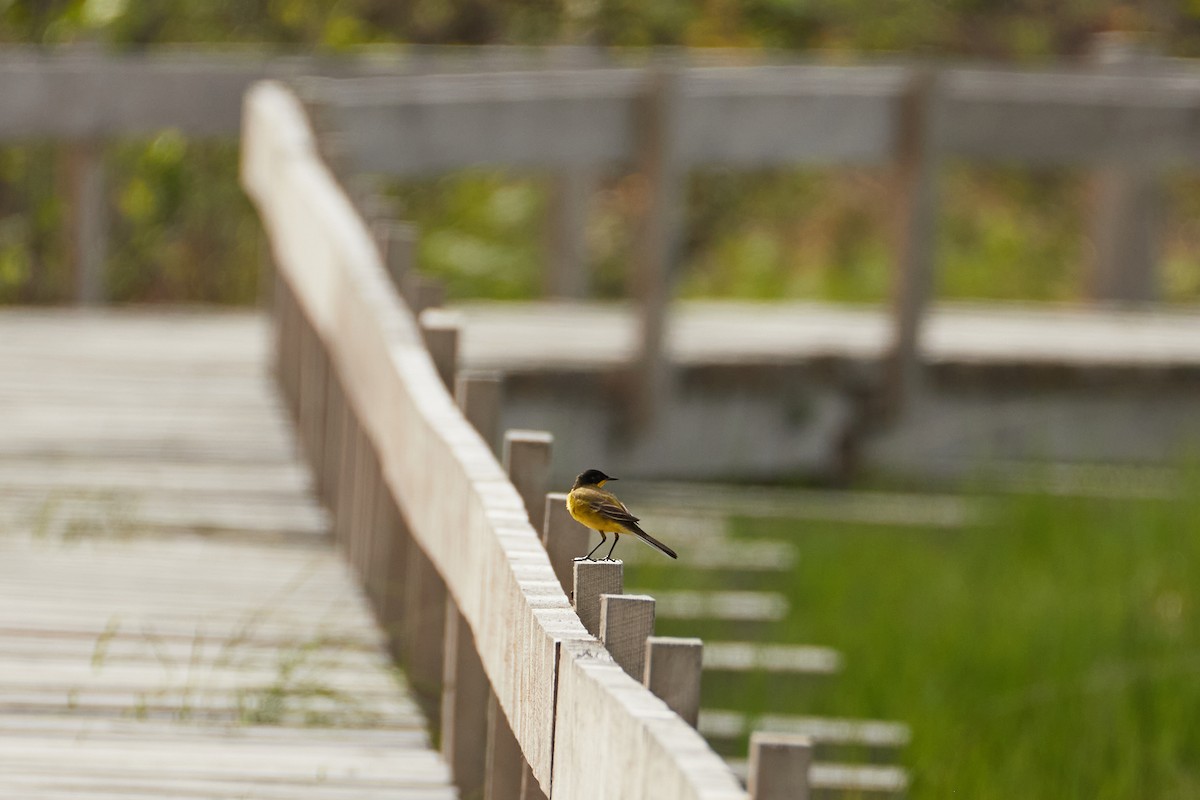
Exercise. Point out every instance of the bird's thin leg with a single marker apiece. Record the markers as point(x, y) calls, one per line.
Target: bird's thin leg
point(616, 538)
point(603, 539)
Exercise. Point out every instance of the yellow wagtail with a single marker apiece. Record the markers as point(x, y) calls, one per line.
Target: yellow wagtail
point(601, 511)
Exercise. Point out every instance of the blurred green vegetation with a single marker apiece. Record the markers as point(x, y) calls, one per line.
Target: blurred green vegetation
point(1050, 649)
point(181, 232)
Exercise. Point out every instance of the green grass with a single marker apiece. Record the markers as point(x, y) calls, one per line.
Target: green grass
point(1050, 651)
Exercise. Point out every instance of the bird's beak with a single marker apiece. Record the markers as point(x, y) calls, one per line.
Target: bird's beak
point(609, 479)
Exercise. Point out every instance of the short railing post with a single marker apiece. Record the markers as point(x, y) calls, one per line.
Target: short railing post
point(440, 330)
point(479, 396)
point(424, 604)
point(527, 462)
point(593, 579)
point(626, 621)
point(564, 539)
point(465, 694)
point(779, 766)
point(398, 243)
point(673, 669)
point(505, 761)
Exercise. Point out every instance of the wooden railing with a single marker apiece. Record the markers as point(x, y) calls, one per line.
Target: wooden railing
point(539, 695)
point(580, 115)
point(665, 120)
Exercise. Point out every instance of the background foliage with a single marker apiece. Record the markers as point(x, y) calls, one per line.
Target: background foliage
point(181, 230)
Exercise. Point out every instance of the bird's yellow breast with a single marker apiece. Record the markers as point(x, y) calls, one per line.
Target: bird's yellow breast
point(580, 509)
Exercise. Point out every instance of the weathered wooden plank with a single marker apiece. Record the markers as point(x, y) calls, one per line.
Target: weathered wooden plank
point(1069, 117)
point(626, 621)
point(600, 709)
point(672, 674)
point(779, 766)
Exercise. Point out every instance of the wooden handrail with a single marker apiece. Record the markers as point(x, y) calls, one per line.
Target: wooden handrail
point(559, 690)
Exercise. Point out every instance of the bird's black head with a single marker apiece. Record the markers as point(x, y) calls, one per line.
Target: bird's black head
point(593, 477)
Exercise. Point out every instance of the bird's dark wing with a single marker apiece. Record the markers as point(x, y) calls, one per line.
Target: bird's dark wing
point(601, 502)
point(614, 511)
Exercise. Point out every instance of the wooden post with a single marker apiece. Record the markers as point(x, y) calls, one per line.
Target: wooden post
point(346, 477)
point(1127, 202)
point(479, 396)
point(311, 426)
point(505, 762)
point(440, 330)
point(673, 668)
point(287, 352)
point(423, 292)
point(564, 539)
point(626, 621)
point(89, 220)
point(398, 246)
point(592, 579)
point(915, 247)
point(425, 615)
point(779, 765)
point(530, 788)
point(527, 462)
point(394, 618)
point(659, 237)
point(566, 274)
point(335, 404)
point(465, 695)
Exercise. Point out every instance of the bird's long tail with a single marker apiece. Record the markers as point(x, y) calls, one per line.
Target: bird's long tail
point(655, 543)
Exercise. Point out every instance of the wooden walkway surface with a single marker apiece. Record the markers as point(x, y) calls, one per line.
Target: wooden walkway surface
point(174, 622)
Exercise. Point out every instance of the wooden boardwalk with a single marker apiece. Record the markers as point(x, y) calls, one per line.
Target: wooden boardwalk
point(565, 335)
point(173, 619)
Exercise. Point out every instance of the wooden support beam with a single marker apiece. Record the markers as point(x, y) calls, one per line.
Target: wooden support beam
point(657, 249)
point(441, 329)
point(592, 579)
point(425, 624)
point(915, 238)
point(564, 539)
point(566, 271)
point(530, 788)
point(89, 220)
point(465, 695)
point(1128, 200)
point(397, 243)
point(626, 621)
point(673, 668)
point(527, 461)
point(480, 397)
point(423, 292)
point(505, 764)
point(779, 766)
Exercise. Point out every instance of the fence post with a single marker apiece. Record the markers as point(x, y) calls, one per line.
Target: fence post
point(592, 579)
point(626, 621)
point(479, 396)
point(89, 220)
point(566, 274)
point(1127, 202)
point(673, 669)
point(398, 245)
point(779, 766)
point(505, 762)
point(440, 330)
point(527, 462)
point(564, 539)
point(465, 694)
point(915, 239)
point(658, 241)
